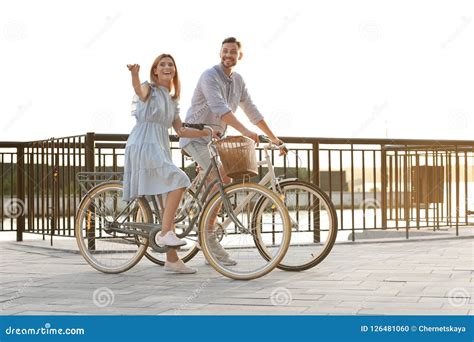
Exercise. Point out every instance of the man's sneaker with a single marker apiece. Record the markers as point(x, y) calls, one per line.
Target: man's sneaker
point(219, 252)
point(216, 248)
point(170, 240)
point(178, 267)
point(226, 261)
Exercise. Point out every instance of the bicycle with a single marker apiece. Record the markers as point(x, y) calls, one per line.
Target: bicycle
point(113, 235)
point(312, 214)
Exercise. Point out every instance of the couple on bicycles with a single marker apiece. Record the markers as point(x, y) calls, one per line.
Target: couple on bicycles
point(149, 169)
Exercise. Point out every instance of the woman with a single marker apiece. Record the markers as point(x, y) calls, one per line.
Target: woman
point(149, 169)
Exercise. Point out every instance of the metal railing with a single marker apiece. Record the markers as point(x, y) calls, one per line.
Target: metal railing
point(374, 183)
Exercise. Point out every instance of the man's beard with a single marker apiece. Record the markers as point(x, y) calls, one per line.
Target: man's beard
point(232, 64)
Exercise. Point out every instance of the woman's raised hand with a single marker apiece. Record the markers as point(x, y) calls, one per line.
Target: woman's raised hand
point(134, 68)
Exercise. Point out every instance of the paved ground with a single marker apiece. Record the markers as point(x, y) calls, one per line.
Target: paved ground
point(424, 277)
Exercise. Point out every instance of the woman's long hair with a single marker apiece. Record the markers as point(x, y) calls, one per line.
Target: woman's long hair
point(176, 84)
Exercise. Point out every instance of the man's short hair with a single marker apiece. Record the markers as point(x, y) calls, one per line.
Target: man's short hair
point(232, 40)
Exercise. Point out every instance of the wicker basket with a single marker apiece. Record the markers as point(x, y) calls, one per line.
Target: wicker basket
point(238, 157)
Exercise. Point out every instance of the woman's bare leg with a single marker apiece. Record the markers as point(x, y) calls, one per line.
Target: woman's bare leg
point(169, 212)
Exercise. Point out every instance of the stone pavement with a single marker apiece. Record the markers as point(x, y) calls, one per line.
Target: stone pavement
point(414, 277)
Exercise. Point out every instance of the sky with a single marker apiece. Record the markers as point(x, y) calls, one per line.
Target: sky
point(340, 68)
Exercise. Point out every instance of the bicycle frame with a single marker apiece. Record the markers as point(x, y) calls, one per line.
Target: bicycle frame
point(201, 183)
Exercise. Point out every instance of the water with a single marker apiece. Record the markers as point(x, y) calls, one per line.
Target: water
point(358, 214)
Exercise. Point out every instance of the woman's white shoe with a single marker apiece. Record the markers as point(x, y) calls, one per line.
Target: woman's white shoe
point(178, 267)
point(169, 239)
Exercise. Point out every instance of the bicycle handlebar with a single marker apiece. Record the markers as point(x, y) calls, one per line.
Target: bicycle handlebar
point(265, 139)
point(261, 138)
point(202, 127)
point(196, 126)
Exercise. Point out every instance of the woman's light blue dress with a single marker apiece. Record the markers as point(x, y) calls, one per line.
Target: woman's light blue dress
point(149, 168)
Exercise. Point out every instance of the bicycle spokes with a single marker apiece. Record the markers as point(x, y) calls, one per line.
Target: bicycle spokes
point(238, 254)
point(104, 230)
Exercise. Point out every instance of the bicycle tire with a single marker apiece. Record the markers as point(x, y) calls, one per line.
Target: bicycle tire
point(304, 252)
point(92, 218)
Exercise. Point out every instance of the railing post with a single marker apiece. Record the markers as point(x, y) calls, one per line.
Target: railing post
point(383, 180)
point(457, 190)
point(406, 199)
point(352, 193)
point(315, 180)
point(315, 166)
point(90, 152)
point(56, 213)
point(90, 167)
point(20, 191)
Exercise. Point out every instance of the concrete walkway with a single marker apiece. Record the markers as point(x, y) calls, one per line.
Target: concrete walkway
point(424, 277)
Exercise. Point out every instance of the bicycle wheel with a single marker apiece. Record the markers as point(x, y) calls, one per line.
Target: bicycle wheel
point(186, 213)
point(239, 235)
point(313, 222)
point(101, 212)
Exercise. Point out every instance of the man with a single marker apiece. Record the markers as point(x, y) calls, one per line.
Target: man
point(218, 93)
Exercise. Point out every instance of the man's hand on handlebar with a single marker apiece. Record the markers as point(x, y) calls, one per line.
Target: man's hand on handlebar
point(281, 144)
point(251, 135)
point(276, 141)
